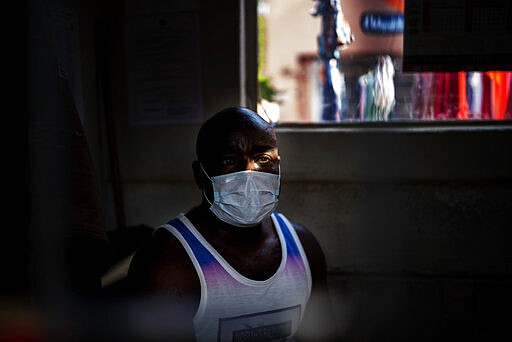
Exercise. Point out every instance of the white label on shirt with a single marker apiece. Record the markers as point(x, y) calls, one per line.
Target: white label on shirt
point(274, 325)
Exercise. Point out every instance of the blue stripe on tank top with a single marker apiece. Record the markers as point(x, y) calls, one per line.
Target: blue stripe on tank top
point(291, 246)
point(203, 256)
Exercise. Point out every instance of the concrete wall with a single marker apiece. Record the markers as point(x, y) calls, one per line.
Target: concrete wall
point(415, 224)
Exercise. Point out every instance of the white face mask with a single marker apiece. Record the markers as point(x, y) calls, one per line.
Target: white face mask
point(244, 198)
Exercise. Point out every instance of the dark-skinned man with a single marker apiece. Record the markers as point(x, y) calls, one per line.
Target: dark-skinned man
point(241, 271)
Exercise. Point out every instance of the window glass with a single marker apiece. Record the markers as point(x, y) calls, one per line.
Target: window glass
point(304, 81)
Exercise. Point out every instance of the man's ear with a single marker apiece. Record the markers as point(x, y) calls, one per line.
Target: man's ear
point(199, 176)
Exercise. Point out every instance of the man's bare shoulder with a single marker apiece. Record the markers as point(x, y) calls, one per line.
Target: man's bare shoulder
point(162, 264)
point(158, 249)
point(313, 251)
point(161, 267)
point(318, 324)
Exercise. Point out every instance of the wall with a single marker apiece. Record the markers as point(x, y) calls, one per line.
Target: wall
point(415, 224)
point(155, 160)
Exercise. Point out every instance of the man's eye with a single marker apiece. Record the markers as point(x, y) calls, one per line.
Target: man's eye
point(228, 161)
point(264, 160)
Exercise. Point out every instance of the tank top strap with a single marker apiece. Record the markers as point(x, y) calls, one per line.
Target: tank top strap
point(291, 244)
point(203, 256)
point(295, 251)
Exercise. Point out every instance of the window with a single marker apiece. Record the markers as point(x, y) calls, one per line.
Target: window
point(368, 78)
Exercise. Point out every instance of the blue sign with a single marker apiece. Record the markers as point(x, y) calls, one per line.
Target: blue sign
point(382, 22)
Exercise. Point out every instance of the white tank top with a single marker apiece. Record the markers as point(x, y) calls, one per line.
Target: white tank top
point(236, 308)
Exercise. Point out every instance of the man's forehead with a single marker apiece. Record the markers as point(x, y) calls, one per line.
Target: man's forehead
point(239, 141)
point(231, 131)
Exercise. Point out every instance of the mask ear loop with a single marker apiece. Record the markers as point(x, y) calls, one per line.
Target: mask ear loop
point(279, 175)
point(202, 168)
point(204, 193)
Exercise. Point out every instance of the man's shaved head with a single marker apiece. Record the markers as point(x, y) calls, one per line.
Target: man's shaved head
point(224, 124)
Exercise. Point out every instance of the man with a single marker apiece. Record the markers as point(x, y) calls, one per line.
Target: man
point(240, 271)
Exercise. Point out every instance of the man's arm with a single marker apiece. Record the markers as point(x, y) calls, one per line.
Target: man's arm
point(318, 323)
point(163, 277)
